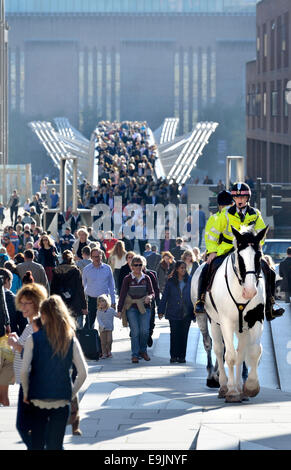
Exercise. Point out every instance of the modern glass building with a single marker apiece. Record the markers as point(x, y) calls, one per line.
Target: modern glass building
point(93, 60)
point(131, 6)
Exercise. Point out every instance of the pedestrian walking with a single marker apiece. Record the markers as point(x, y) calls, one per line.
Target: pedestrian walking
point(16, 280)
point(49, 355)
point(153, 259)
point(117, 259)
point(97, 280)
point(135, 299)
point(285, 273)
point(67, 283)
point(86, 258)
point(47, 255)
point(176, 305)
point(17, 322)
point(105, 318)
point(37, 270)
point(6, 361)
point(13, 204)
point(191, 264)
point(165, 267)
point(81, 241)
point(125, 269)
point(28, 300)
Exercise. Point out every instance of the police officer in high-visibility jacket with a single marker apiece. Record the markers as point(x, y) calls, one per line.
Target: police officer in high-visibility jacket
point(219, 243)
point(224, 199)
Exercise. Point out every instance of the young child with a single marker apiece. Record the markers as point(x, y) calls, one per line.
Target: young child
point(105, 317)
point(86, 258)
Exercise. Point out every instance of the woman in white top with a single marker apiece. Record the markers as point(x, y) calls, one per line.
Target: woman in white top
point(117, 259)
point(49, 355)
point(28, 300)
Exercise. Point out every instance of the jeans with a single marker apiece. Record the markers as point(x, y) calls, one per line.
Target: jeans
point(178, 337)
point(23, 419)
point(139, 324)
point(48, 427)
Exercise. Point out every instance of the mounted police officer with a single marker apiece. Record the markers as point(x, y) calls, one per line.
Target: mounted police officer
point(219, 243)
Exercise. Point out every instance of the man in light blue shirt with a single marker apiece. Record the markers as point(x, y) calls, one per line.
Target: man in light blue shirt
point(97, 279)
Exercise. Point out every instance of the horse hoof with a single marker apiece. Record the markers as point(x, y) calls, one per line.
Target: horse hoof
point(222, 392)
point(212, 383)
point(244, 397)
point(251, 392)
point(233, 398)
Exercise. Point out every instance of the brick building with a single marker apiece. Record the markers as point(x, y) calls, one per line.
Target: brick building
point(268, 114)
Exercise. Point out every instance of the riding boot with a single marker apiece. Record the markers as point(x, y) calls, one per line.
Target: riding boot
point(270, 283)
point(202, 285)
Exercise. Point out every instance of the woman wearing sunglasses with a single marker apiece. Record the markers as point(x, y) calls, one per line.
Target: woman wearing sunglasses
point(135, 300)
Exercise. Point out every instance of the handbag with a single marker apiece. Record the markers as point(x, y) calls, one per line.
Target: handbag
point(5, 350)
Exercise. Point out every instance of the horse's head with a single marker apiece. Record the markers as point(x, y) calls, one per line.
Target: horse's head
point(248, 258)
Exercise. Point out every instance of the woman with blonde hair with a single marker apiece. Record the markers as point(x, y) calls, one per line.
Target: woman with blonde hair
point(117, 259)
point(191, 264)
point(81, 241)
point(27, 301)
point(48, 357)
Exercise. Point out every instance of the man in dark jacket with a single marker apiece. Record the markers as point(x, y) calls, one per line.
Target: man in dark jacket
point(178, 250)
point(67, 282)
point(153, 259)
point(155, 302)
point(17, 321)
point(285, 273)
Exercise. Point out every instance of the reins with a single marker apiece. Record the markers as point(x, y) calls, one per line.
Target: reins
point(240, 307)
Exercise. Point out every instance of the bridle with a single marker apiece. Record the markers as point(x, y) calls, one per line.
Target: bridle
point(241, 278)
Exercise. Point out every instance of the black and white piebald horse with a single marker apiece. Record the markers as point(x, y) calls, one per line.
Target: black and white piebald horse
point(236, 305)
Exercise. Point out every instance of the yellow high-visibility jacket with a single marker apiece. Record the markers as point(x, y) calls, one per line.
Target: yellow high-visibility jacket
point(220, 237)
point(208, 227)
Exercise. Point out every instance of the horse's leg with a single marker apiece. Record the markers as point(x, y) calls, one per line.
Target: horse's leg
point(218, 346)
point(233, 394)
point(241, 351)
point(254, 351)
point(202, 322)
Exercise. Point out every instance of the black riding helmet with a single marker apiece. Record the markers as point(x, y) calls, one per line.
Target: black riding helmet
point(241, 189)
point(224, 198)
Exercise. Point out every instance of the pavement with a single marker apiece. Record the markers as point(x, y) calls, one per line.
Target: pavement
point(156, 405)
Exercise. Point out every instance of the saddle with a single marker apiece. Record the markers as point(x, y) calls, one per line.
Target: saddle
point(212, 268)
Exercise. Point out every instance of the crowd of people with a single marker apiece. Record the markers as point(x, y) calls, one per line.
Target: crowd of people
point(51, 287)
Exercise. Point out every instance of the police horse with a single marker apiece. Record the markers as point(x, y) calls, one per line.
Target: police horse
point(235, 304)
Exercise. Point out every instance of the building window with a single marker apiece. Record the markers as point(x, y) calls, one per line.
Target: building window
point(195, 87)
point(265, 45)
point(275, 103)
point(176, 85)
point(117, 86)
point(81, 89)
point(265, 104)
point(251, 104)
point(99, 84)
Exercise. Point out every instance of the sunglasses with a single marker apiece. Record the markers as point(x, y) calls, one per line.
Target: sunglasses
point(137, 265)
